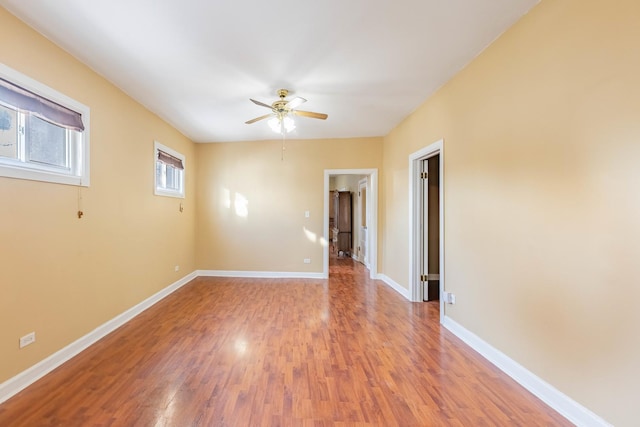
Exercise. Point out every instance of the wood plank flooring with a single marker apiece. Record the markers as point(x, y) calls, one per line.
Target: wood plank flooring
point(348, 351)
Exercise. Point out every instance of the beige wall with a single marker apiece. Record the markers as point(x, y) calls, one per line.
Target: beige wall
point(345, 182)
point(542, 208)
point(272, 236)
point(62, 277)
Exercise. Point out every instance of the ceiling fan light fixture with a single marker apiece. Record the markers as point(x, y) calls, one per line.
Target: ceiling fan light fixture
point(289, 124)
point(274, 124)
point(282, 125)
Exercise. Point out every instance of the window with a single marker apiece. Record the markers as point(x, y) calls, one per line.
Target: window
point(169, 171)
point(44, 135)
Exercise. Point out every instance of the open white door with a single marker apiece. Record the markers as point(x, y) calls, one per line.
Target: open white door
point(363, 253)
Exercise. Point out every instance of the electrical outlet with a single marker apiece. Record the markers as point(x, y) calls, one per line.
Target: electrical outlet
point(306, 214)
point(27, 339)
point(177, 268)
point(307, 260)
point(449, 298)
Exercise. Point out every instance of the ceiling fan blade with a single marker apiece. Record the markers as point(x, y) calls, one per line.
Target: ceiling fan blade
point(258, 119)
point(295, 102)
point(313, 115)
point(262, 104)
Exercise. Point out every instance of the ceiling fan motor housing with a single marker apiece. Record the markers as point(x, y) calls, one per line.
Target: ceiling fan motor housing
point(279, 106)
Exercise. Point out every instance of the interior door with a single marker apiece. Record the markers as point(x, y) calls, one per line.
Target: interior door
point(345, 223)
point(363, 238)
point(424, 228)
point(433, 215)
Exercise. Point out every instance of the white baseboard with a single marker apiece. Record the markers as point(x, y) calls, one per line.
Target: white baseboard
point(396, 286)
point(259, 274)
point(24, 379)
point(563, 404)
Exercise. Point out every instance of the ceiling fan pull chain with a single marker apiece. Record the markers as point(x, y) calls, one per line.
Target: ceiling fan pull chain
point(282, 153)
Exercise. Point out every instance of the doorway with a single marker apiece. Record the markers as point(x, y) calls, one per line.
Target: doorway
point(426, 237)
point(430, 228)
point(369, 179)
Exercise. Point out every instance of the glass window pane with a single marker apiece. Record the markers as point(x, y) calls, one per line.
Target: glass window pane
point(172, 178)
point(160, 175)
point(8, 133)
point(46, 143)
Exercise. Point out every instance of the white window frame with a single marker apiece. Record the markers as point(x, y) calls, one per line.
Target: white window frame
point(79, 172)
point(168, 192)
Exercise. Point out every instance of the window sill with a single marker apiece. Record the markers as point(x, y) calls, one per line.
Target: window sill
point(165, 193)
point(42, 176)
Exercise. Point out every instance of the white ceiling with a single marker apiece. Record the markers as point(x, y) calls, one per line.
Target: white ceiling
point(366, 63)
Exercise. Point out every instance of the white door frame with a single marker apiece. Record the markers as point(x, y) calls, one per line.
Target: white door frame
point(415, 200)
point(372, 209)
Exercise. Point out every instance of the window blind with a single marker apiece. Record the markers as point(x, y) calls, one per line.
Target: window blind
point(27, 101)
point(168, 159)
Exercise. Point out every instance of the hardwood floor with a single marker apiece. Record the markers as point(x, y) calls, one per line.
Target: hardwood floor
point(265, 352)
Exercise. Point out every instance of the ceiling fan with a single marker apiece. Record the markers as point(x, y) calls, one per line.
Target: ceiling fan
point(281, 109)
